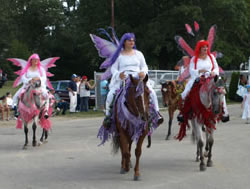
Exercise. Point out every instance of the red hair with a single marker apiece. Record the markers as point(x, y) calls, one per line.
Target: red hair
point(200, 44)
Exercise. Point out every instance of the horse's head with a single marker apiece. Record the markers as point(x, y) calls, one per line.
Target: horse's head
point(137, 97)
point(168, 89)
point(215, 95)
point(33, 94)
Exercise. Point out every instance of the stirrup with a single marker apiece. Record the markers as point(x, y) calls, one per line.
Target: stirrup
point(180, 118)
point(107, 122)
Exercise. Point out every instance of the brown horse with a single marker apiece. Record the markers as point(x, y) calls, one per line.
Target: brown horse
point(171, 94)
point(134, 126)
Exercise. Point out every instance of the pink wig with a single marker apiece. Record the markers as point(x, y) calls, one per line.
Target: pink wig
point(33, 56)
point(200, 44)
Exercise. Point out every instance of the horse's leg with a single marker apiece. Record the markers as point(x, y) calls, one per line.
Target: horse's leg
point(124, 152)
point(207, 145)
point(138, 152)
point(26, 136)
point(130, 145)
point(210, 142)
point(41, 139)
point(193, 138)
point(46, 133)
point(34, 142)
point(171, 115)
point(200, 145)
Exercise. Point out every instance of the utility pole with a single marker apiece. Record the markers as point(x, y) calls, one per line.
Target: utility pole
point(113, 14)
point(249, 70)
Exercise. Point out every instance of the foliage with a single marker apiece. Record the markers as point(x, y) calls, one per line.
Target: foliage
point(233, 86)
point(62, 27)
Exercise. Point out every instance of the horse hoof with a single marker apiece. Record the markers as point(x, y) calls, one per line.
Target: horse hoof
point(137, 178)
point(210, 163)
point(40, 143)
point(122, 171)
point(25, 147)
point(131, 165)
point(34, 143)
point(167, 137)
point(202, 167)
point(45, 141)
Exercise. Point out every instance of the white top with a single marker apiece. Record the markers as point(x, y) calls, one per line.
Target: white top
point(83, 92)
point(9, 101)
point(203, 64)
point(78, 84)
point(127, 63)
point(31, 74)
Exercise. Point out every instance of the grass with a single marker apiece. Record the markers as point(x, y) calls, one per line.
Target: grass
point(8, 88)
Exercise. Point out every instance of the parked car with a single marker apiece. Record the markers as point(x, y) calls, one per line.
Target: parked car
point(61, 89)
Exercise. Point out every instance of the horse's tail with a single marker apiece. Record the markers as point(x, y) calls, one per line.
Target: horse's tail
point(149, 141)
point(116, 144)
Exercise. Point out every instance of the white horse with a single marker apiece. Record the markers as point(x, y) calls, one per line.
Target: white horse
point(205, 108)
point(32, 108)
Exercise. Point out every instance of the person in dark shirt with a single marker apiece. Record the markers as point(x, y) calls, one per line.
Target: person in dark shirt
point(60, 104)
point(72, 88)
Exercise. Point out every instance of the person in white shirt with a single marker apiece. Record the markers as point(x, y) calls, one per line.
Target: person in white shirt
point(127, 61)
point(203, 63)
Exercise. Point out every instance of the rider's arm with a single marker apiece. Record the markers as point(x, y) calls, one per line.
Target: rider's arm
point(115, 70)
point(193, 72)
point(216, 67)
point(43, 78)
point(25, 79)
point(143, 64)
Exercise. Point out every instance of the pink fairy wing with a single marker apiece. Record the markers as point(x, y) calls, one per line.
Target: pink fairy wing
point(105, 48)
point(185, 74)
point(189, 29)
point(211, 36)
point(49, 62)
point(21, 63)
point(196, 26)
point(184, 46)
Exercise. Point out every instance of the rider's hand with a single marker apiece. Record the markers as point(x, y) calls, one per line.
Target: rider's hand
point(122, 76)
point(141, 75)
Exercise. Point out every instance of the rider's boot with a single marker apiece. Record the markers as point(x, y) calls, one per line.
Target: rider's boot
point(160, 119)
point(180, 117)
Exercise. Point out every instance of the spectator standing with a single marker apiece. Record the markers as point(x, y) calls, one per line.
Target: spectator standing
point(78, 81)
point(84, 89)
point(72, 88)
point(104, 92)
point(246, 105)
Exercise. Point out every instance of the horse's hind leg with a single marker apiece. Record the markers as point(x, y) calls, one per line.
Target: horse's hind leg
point(138, 152)
point(34, 142)
point(26, 136)
point(210, 140)
point(171, 115)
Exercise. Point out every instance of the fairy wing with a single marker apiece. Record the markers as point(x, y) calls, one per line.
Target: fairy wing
point(185, 74)
point(211, 36)
point(21, 63)
point(182, 45)
point(46, 64)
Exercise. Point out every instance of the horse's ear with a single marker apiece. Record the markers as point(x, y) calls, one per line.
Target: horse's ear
point(145, 78)
point(216, 78)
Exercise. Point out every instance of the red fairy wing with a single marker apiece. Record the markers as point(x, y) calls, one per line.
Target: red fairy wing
point(211, 36)
point(196, 26)
point(187, 50)
point(189, 29)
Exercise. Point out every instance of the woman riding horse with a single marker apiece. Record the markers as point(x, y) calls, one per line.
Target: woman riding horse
point(127, 60)
point(32, 72)
point(203, 63)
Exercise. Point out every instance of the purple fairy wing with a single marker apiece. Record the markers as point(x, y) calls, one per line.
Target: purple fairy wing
point(107, 74)
point(105, 48)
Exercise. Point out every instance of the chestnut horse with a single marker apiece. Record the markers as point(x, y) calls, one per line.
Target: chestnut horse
point(171, 94)
point(204, 107)
point(134, 126)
